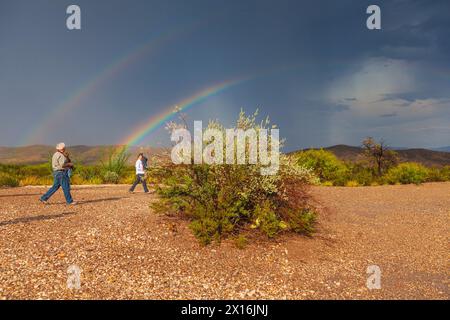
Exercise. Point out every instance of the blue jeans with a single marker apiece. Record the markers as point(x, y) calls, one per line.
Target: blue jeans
point(60, 179)
point(139, 179)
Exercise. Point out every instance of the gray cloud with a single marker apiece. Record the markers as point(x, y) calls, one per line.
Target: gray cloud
point(241, 38)
point(389, 115)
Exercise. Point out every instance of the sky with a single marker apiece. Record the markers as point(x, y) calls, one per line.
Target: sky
point(313, 67)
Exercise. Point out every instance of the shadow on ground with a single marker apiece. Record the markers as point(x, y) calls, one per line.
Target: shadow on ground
point(20, 195)
point(101, 200)
point(80, 202)
point(36, 218)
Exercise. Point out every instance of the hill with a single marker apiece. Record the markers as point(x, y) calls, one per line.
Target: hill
point(94, 154)
point(443, 149)
point(424, 156)
point(84, 154)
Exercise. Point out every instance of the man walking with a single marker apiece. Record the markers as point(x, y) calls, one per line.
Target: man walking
point(60, 167)
point(140, 173)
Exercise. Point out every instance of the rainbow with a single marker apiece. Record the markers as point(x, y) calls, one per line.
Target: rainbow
point(159, 120)
point(155, 122)
point(74, 99)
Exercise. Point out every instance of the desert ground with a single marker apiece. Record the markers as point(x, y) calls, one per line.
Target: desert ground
point(125, 251)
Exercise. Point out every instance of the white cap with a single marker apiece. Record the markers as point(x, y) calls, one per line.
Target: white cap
point(60, 146)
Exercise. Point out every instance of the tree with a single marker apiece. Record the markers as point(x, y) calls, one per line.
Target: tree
point(379, 155)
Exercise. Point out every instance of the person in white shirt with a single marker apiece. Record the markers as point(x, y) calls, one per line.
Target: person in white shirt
point(140, 173)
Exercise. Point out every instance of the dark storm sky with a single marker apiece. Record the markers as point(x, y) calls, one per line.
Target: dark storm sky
point(319, 73)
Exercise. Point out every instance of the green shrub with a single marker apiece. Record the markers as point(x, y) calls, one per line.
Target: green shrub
point(10, 169)
point(439, 174)
point(223, 200)
point(325, 165)
point(408, 172)
point(39, 170)
point(8, 180)
point(41, 174)
point(111, 177)
point(435, 175)
point(352, 183)
point(240, 242)
point(302, 221)
point(36, 181)
point(116, 161)
point(361, 174)
point(445, 173)
point(205, 230)
point(88, 172)
point(129, 178)
point(266, 219)
point(95, 180)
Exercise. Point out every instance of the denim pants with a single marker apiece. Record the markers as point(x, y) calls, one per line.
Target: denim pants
point(60, 179)
point(139, 179)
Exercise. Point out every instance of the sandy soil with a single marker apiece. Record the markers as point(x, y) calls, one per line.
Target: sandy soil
point(125, 251)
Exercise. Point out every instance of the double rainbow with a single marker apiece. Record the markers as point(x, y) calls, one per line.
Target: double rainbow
point(155, 122)
point(74, 99)
point(159, 120)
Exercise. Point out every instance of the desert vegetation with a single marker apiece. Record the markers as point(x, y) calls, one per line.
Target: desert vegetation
point(113, 170)
point(329, 170)
point(222, 200)
point(378, 166)
point(236, 201)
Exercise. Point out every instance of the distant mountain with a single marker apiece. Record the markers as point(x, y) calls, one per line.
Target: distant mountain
point(83, 154)
point(424, 156)
point(442, 149)
point(94, 154)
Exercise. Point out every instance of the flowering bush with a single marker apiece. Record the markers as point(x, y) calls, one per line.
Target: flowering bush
point(224, 199)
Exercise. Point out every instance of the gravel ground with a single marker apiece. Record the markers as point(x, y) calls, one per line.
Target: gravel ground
point(124, 251)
